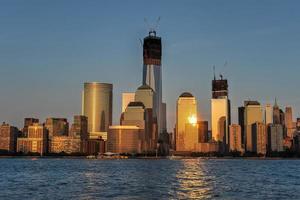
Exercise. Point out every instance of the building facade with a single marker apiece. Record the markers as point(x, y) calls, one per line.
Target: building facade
point(8, 138)
point(57, 127)
point(36, 140)
point(124, 139)
point(127, 97)
point(235, 138)
point(97, 107)
point(259, 138)
point(253, 113)
point(186, 122)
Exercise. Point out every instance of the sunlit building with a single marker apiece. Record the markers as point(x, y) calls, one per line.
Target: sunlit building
point(8, 138)
point(127, 97)
point(259, 138)
point(186, 122)
point(97, 107)
point(66, 144)
point(289, 122)
point(220, 111)
point(36, 140)
point(235, 138)
point(253, 113)
point(28, 122)
point(124, 139)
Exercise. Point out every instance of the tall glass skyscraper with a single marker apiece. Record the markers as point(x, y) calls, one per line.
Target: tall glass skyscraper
point(152, 73)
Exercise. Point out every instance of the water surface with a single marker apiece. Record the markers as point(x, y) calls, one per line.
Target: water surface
point(149, 179)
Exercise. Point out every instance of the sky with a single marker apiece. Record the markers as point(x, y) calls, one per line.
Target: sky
point(48, 49)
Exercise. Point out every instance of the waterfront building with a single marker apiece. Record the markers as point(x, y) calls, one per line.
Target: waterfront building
point(57, 127)
point(289, 122)
point(253, 113)
point(202, 131)
point(220, 111)
point(152, 72)
point(79, 128)
point(66, 144)
point(127, 97)
point(36, 140)
point(8, 138)
point(186, 122)
point(275, 137)
point(97, 107)
point(235, 132)
point(259, 138)
point(124, 139)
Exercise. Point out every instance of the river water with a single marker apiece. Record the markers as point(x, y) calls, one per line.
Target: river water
point(149, 179)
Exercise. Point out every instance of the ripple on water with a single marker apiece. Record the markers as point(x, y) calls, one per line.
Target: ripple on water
point(149, 179)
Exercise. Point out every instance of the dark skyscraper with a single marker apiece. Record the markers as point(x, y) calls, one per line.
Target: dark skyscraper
point(276, 113)
point(152, 73)
point(219, 88)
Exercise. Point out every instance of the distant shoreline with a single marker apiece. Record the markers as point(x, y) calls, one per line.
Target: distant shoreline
point(153, 158)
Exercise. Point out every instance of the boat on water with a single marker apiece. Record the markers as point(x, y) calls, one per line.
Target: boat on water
point(107, 156)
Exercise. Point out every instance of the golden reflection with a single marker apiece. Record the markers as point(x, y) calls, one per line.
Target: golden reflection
point(194, 181)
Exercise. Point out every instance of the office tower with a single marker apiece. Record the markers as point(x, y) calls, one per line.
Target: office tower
point(202, 131)
point(146, 96)
point(124, 139)
point(235, 132)
point(152, 72)
point(79, 128)
point(186, 113)
point(276, 113)
point(268, 114)
point(253, 114)
point(8, 137)
point(137, 115)
point(281, 117)
point(28, 122)
point(127, 97)
point(259, 138)
point(289, 122)
point(36, 140)
point(57, 127)
point(275, 137)
point(241, 118)
point(97, 107)
point(220, 111)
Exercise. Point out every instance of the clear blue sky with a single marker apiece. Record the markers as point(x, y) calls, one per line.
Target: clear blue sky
point(49, 48)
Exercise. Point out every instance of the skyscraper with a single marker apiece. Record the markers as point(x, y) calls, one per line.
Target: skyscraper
point(152, 72)
point(97, 107)
point(289, 122)
point(8, 137)
point(253, 114)
point(186, 115)
point(220, 111)
point(275, 137)
point(259, 138)
point(79, 128)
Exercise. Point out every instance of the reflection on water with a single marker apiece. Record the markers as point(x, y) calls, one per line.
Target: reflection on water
point(149, 179)
point(193, 180)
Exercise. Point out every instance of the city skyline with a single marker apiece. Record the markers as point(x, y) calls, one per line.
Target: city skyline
point(52, 87)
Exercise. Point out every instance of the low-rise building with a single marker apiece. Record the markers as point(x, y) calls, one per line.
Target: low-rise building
point(36, 140)
point(124, 139)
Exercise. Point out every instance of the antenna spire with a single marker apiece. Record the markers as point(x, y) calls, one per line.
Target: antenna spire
point(214, 70)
